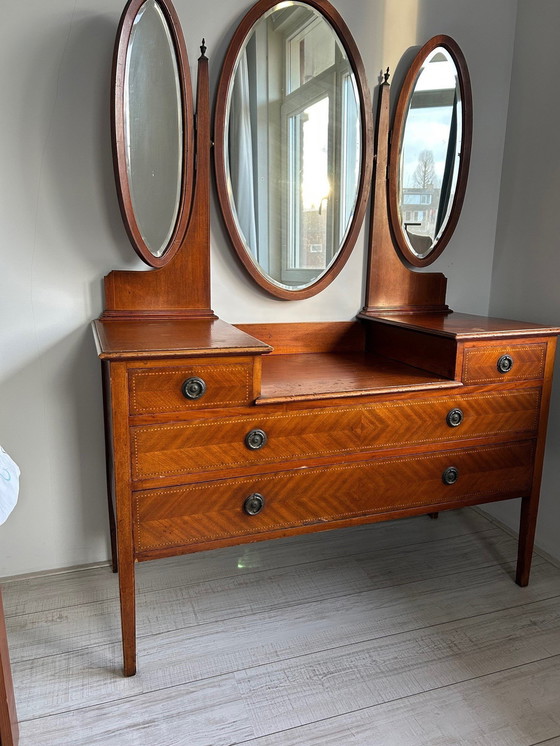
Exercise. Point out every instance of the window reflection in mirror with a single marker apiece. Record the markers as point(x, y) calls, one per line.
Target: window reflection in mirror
point(430, 153)
point(293, 145)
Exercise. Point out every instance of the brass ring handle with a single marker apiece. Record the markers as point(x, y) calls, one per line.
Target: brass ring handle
point(505, 363)
point(256, 439)
point(454, 417)
point(193, 388)
point(253, 504)
point(450, 475)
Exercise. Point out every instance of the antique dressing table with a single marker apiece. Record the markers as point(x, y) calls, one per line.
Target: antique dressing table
point(220, 434)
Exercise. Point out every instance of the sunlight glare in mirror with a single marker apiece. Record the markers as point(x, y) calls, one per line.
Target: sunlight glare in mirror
point(315, 186)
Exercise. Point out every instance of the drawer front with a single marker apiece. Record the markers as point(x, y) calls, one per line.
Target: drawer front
point(210, 511)
point(196, 386)
point(204, 445)
point(502, 363)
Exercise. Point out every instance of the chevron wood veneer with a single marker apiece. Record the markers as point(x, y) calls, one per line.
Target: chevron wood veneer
point(172, 449)
point(207, 511)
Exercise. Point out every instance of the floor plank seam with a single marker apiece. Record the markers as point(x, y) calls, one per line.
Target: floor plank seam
point(318, 651)
point(253, 614)
point(504, 563)
point(523, 605)
point(403, 698)
point(342, 554)
point(302, 725)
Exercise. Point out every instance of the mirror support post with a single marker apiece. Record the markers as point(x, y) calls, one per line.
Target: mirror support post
point(391, 287)
point(180, 289)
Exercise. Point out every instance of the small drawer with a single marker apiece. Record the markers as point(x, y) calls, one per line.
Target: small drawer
point(210, 511)
point(257, 438)
point(504, 363)
point(183, 387)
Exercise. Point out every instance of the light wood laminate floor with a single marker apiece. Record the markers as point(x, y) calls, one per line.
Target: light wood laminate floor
point(408, 633)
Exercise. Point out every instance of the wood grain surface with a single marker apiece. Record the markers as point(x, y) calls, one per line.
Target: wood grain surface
point(219, 443)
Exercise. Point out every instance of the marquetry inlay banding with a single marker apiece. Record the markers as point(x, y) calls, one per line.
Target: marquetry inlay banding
point(159, 391)
point(219, 443)
point(481, 363)
point(214, 510)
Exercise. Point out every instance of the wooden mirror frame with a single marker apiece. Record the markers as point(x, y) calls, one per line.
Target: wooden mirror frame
point(118, 132)
point(399, 122)
point(344, 37)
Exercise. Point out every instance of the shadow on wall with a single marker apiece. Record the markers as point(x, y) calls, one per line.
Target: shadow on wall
point(400, 38)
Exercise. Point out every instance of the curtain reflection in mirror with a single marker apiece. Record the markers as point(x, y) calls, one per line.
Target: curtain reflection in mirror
point(241, 155)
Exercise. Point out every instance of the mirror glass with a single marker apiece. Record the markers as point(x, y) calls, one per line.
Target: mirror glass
point(430, 153)
point(292, 144)
point(153, 127)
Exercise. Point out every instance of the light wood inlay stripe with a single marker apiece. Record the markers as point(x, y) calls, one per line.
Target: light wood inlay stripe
point(205, 445)
point(480, 363)
point(214, 510)
point(159, 391)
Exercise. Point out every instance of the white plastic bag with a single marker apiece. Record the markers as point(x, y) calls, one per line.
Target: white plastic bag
point(9, 485)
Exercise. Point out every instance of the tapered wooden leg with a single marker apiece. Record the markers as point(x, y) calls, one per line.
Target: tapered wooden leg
point(527, 526)
point(120, 509)
point(530, 504)
point(433, 516)
point(128, 614)
point(9, 733)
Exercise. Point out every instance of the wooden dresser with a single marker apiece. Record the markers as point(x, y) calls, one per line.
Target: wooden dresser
point(232, 435)
point(220, 434)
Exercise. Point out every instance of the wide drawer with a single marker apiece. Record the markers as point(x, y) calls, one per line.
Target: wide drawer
point(222, 442)
point(156, 390)
point(202, 513)
point(504, 362)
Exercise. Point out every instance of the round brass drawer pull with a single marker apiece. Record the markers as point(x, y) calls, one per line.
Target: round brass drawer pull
point(256, 439)
point(450, 475)
point(193, 388)
point(505, 364)
point(253, 504)
point(454, 417)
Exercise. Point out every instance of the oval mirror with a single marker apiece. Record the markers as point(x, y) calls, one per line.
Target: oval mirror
point(430, 151)
point(152, 128)
point(293, 139)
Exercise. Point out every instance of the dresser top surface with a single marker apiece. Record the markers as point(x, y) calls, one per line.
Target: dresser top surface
point(145, 338)
point(317, 376)
point(466, 326)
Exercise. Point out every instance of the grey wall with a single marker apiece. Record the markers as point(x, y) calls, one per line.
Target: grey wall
point(61, 232)
point(526, 275)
